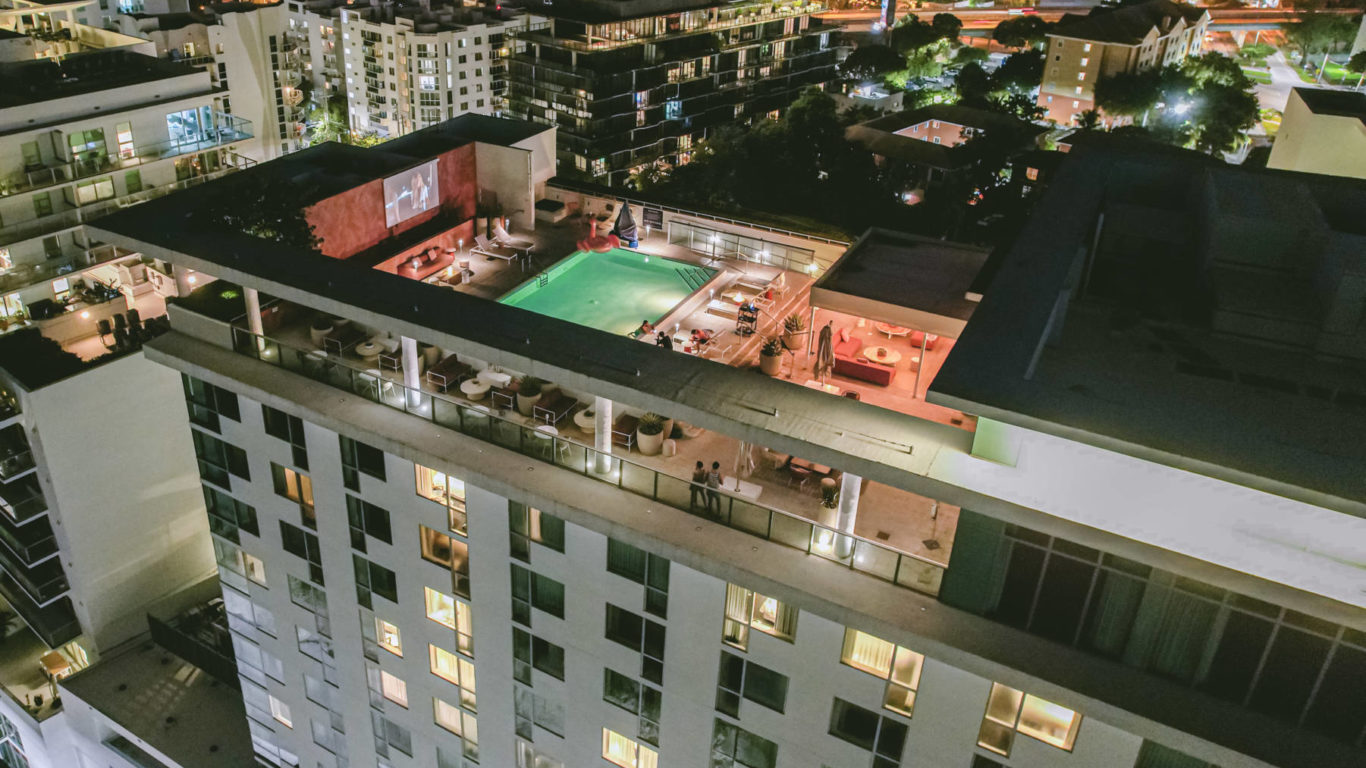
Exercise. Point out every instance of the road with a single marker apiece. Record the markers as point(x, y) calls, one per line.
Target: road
point(1275, 94)
point(988, 18)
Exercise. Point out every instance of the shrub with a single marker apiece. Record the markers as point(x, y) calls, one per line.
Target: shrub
point(530, 386)
point(773, 347)
point(794, 323)
point(651, 424)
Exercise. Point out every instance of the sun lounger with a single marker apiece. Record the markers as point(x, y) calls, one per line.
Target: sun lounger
point(501, 237)
point(723, 308)
point(624, 431)
point(447, 372)
point(483, 247)
point(553, 408)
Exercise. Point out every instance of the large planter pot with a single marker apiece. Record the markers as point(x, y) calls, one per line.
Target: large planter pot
point(525, 404)
point(649, 445)
point(318, 331)
point(792, 341)
point(668, 428)
point(771, 364)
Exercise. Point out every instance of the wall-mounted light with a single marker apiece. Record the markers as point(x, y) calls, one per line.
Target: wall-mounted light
point(85, 314)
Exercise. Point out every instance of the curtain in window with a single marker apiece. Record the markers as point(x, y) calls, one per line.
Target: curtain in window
point(1171, 633)
point(1112, 613)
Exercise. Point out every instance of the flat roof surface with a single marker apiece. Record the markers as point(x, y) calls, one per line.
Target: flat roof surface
point(30, 82)
point(880, 136)
point(1127, 24)
point(503, 131)
point(1199, 339)
point(906, 271)
point(171, 705)
point(1322, 101)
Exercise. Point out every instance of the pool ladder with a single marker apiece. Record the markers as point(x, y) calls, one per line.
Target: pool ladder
point(542, 280)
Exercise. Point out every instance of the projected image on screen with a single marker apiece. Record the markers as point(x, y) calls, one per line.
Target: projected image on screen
point(409, 193)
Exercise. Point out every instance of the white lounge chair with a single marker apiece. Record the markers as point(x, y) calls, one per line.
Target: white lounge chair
point(501, 237)
point(483, 247)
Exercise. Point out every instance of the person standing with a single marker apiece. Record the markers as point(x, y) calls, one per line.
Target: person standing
point(697, 491)
point(714, 480)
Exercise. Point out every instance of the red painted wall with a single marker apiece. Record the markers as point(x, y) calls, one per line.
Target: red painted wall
point(353, 221)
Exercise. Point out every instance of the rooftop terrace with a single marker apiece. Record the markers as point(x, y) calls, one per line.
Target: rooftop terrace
point(79, 74)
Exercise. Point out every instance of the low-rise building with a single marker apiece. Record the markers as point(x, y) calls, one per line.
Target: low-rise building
point(1322, 131)
point(1082, 50)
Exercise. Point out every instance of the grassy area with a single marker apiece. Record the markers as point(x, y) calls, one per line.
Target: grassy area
point(1271, 121)
point(1257, 75)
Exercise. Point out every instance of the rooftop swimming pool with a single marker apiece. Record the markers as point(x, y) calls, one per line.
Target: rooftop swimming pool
point(610, 291)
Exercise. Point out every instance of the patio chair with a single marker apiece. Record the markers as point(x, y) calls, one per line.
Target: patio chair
point(503, 398)
point(553, 408)
point(343, 338)
point(483, 247)
point(624, 431)
point(447, 372)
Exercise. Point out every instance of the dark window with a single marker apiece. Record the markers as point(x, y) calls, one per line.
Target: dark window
point(207, 402)
point(304, 544)
point(538, 653)
point(227, 515)
point(639, 634)
point(528, 524)
point(738, 678)
point(534, 590)
point(288, 428)
point(357, 458)
point(367, 519)
point(372, 578)
point(643, 568)
point(218, 459)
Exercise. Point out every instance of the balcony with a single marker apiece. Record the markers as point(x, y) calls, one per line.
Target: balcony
point(22, 499)
point(229, 130)
point(28, 543)
point(42, 583)
point(14, 461)
point(55, 623)
point(23, 674)
point(74, 217)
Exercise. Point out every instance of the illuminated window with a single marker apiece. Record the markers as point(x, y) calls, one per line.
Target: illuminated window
point(1010, 710)
point(280, 711)
point(61, 288)
point(462, 724)
point(296, 487)
point(746, 610)
point(256, 570)
point(444, 489)
point(387, 635)
point(1085, 61)
point(456, 671)
point(899, 666)
point(1077, 89)
point(1086, 48)
point(619, 750)
point(443, 550)
point(528, 524)
point(451, 613)
point(1032, 174)
point(394, 689)
point(1081, 75)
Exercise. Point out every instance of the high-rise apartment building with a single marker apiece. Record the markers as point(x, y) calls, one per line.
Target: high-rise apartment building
point(90, 122)
point(1322, 131)
point(1083, 49)
point(1078, 513)
point(631, 83)
point(395, 68)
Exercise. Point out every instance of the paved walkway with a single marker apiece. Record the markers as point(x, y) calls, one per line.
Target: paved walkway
point(1275, 94)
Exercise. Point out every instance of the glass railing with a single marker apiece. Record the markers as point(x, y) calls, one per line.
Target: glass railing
point(228, 130)
point(478, 421)
point(22, 499)
point(15, 462)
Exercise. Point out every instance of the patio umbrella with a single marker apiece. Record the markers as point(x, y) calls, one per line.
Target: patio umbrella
point(625, 227)
point(825, 353)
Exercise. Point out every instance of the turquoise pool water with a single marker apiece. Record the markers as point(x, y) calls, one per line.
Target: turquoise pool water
point(610, 291)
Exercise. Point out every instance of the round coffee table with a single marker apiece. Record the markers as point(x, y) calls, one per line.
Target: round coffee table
point(882, 355)
point(474, 389)
point(369, 350)
point(585, 420)
point(891, 330)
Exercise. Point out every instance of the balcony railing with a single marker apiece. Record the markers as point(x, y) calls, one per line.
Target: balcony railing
point(22, 499)
point(46, 225)
point(860, 554)
point(15, 462)
point(235, 129)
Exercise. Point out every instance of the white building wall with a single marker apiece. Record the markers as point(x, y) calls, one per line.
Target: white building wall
point(942, 732)
point(119, 473)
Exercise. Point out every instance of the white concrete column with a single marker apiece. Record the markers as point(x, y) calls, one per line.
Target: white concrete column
point(184, 280)
point(602, 434)
point(850, 485)
point(253, 298)
point(411, 372)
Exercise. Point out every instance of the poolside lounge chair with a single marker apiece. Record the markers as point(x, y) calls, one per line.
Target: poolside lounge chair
point(723, 307)
point(447, 372)
point(343, 338)
point(501, 237)
point(503, 398)
point(483, 247)
point(624, 431)
point(552, 408)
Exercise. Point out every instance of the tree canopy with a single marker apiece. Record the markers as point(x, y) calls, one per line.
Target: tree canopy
point(1205, 102)
point(1021, 32)
point(867, 62)
point(1320, 33)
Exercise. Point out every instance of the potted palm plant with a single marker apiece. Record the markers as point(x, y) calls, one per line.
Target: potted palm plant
point(650, 434)
point(771, 356)
point(529, 390)
point(793, 326)
point(319, 328)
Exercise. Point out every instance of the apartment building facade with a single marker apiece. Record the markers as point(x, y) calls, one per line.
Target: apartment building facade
point(394, 68)
point(87, 131)
point(1322, 132)
point(419, 578)
point(1084, 49)
point(629, 84)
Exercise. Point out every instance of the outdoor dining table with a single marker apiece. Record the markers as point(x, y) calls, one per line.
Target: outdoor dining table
point(818, 469)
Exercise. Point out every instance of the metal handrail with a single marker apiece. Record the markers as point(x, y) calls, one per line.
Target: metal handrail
point(904, 569)
point(612, 194)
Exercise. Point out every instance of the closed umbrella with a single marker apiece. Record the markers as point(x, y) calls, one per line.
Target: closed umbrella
point(825, 353)
point(744, 460)
point(625, 227)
